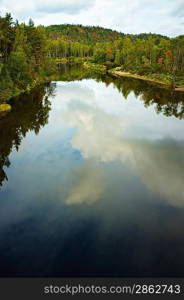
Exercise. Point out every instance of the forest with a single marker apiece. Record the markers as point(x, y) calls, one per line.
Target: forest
point(23, 57)
point(154, 55)
point(29, 54)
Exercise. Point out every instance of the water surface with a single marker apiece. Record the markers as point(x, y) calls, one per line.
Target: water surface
point(92, 180)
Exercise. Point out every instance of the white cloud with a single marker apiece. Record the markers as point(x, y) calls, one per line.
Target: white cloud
point(160, 16)
point(46, 8)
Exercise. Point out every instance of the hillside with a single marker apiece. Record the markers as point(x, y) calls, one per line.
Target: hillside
point(86, 34)
point(91, 34)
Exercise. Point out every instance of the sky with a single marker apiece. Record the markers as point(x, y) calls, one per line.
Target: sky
point(129, 16)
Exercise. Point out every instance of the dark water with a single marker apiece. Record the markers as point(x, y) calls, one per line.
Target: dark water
point(92, 180)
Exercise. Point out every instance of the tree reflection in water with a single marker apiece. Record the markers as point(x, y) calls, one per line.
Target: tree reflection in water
point(30, 112)
point(167, 101)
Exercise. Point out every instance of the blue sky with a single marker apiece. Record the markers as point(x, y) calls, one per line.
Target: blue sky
point(129, 16)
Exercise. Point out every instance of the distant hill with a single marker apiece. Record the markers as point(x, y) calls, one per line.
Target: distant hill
point(85, 34)
point(90, 34)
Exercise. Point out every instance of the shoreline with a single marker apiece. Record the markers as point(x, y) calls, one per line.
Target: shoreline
point(145, 78)
point(179, 89)
point(5, 103)
point(95, 67)
point(136, 76)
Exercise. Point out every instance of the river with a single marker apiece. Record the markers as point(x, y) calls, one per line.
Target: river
point(92, 179)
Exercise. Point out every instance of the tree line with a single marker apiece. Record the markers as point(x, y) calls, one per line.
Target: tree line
point(23, 56)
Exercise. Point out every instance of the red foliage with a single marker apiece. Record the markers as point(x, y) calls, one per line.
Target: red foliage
point(168, 52)
point(160, 60)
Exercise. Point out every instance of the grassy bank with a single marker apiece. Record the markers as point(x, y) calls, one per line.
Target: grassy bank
point(71, 60)
point(161, 79)
point(155, 78)
point(95, 67)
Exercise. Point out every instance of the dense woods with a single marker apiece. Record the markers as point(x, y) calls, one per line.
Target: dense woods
point(23, 56)
point(29, 54)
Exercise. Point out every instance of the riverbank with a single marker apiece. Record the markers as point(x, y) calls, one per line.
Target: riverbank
point(91, 69)
point(179, 89)
point(141, 77)
point(71, 60)
point(165, 82)
point(95, 67)
point(5, 107)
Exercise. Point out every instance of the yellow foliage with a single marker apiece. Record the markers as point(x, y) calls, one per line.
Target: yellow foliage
point(5, 107)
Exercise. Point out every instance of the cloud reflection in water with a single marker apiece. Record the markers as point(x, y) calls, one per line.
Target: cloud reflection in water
point(102, 136)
